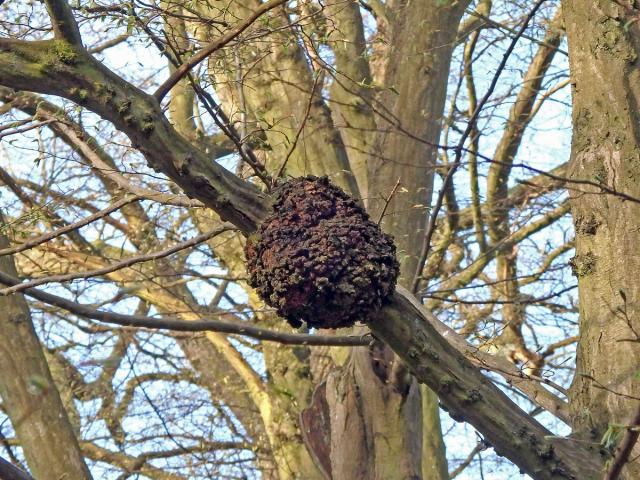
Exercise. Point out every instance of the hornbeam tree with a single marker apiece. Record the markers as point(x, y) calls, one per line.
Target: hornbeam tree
point(355, 162)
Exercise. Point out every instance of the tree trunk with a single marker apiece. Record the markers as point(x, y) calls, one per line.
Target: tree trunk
point(30, 397)
point(603, 47)
point(400, 429)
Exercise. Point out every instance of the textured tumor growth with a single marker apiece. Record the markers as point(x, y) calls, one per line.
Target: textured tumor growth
point(319, 258)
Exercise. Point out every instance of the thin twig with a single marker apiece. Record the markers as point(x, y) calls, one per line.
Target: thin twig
point(34, 242)
point(388, 200)
point(212, 47)
point(26, 128)
point(299, 132)
point(426, 244)
point(119, 265)
point(210, 105)
point(480, 446)
point(624, 450)
point(174, 324)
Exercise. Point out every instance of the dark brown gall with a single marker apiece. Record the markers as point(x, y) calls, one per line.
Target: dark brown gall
point(319, 259)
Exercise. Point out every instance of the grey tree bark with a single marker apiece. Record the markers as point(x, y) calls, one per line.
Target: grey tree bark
point(29, 394)
point(604, 42)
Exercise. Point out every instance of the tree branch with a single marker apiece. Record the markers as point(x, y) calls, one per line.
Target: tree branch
point(470, 396)
point(118, 265)
point(167, 323)
point(35, 241)
point(463, 389)
point(624, 450)
point(46, 67)
point(10, 472)
point(194, 60)
point(63, 22)
point(29, 394)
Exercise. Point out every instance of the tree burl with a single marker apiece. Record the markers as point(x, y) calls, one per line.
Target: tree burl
point(319, 259)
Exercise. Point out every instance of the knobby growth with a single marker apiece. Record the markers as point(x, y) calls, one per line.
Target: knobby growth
point(319, 259)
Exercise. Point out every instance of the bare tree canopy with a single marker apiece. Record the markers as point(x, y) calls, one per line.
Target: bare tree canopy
point(451, 183)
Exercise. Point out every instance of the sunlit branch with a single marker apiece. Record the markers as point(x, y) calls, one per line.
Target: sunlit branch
point(433, 217)
point(64, 25)
point(206, 51)
point(34, 242)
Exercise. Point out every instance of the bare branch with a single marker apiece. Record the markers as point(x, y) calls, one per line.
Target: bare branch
point(34, 242)
point(10, 472)
point(167, 323)
point(624, 450)
point(64, 24)
point(426, 244)
point(119, 265)
point(469, 396)
point(82, 79)
point(183, 69)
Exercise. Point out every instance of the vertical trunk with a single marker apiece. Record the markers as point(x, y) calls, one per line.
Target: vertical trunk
point(279, 92)
point(282, 454)
point(434, 460)
point(603, 47)
point(421, 42)
point(376, 430)
point(375, 403)
point(351, 95)
point(30, 396)
point(373, 407)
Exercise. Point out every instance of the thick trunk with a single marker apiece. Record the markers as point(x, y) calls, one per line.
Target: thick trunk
point(376, 431)
point(399, 428)
point(389, 437)
point(434, 459)
point(30, 397)
point(415, 86)
point(280, 101)
point(603, 47)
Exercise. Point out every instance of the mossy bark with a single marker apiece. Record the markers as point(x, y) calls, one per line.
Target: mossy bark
point(471, 397)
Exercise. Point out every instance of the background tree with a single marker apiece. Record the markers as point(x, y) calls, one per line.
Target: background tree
point(129, 227)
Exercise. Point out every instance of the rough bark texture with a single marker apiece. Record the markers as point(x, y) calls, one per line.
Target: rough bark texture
point(88, 83)
point(29, 395)
point(360, 389)
point(319, 259)
point(605, 150)
point(469, 396)
point(412, 73)
point(279, 90)
point(415, 81)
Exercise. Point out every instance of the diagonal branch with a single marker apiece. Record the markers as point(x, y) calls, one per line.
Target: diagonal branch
point(55, 69)
point(29, 394)
point(39, 240)
point(462, 388)
point(624, 450)
point(212, 47)
point(129, 262)
point(11, 472)
point(471, 397)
